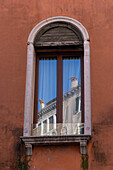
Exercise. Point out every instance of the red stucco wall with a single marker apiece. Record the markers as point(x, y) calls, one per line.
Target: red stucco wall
point(17, 18)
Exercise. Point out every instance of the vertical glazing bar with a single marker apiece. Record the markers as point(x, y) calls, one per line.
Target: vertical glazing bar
point(59, 89)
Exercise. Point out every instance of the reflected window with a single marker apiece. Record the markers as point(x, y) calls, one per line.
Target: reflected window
point(66, 117)
point(44, 126)
point(51, 123)
point(76, 106)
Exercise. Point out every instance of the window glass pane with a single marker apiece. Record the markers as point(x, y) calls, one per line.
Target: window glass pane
point(71, 72)
point(47, 80)
point(48, 123)
point(71, 94)
point(47, 92)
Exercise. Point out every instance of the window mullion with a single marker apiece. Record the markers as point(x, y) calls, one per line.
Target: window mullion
point(59, 89)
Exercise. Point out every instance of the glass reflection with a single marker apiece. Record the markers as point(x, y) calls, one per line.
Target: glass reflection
point(72, 95)
point(47, 94)
point(47, 122)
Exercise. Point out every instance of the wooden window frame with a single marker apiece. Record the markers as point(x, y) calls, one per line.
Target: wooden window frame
point(59, 54)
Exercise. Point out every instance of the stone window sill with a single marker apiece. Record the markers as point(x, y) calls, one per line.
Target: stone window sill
point(81, 140)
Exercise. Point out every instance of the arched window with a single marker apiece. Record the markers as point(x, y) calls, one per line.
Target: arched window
point(58, 74)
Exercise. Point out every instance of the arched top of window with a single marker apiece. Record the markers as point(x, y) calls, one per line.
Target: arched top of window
point(58, 34)
point(70, 22)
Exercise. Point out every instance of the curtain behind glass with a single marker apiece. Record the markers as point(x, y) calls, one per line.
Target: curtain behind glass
point(47, 80)
point(47, 95)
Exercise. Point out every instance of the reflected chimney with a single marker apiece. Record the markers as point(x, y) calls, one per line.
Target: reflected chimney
point(74, 81)
point(42, 103)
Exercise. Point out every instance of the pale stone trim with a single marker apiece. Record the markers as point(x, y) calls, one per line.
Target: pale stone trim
point(29, 93)
point(87, 89)
point(69, 20)
point(30, 77)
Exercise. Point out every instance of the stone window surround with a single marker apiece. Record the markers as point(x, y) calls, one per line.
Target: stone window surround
point(29, 93)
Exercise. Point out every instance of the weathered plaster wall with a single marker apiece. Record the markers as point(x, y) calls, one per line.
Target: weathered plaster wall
point(17, 18)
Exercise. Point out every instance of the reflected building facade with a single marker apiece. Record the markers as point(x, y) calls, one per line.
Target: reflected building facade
point(47, 117)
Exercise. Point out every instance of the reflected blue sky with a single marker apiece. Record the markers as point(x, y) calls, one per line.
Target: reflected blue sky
point(71, 68)
point(48, 77)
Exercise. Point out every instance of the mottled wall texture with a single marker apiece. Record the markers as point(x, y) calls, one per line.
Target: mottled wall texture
point(17, 18)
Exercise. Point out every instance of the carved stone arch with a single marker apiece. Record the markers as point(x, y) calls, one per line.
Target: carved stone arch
point(68, 20)
point(30, 76)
